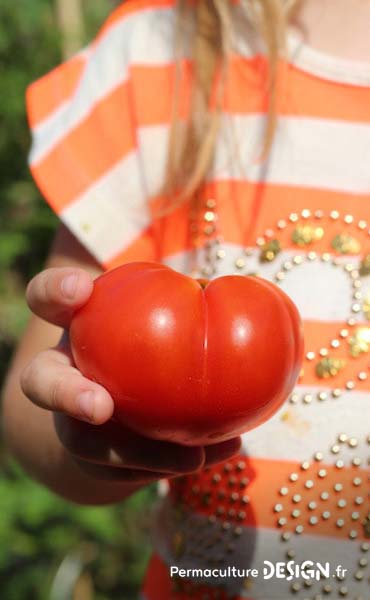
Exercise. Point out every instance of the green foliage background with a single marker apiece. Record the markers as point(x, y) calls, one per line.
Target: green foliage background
point(48, 548)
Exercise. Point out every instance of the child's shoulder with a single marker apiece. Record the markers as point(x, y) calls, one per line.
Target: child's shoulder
point(138, 12)
point(140, 25)
point(136, 32)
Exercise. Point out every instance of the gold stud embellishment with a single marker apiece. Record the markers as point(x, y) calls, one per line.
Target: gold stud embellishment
point(209, 216)
point(211, 203)
point(351, 522)
point(366, 526)
point(86, 227)
point(359, 343)
point(270, 250)
point(329, 367)
point(365, 265)
point(346, 244)
point(303, 235)
point(366, 306)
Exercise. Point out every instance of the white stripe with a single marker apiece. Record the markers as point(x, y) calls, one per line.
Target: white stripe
point(306, 152)
point(315, 153)
point(297, 431)
point(143, 37)
point(250, 550)
point(314, 286)
point(112, 213)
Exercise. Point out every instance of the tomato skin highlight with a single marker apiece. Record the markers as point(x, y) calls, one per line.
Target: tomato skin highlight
point(190, 362)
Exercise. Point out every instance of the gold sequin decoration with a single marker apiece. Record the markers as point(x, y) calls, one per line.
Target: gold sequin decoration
point(270, 250)
point(366, 306)
point(346, 244)
point(366, 526)
point(329, 367)
point(306, 234)
point(359, 343)
point(365, 266)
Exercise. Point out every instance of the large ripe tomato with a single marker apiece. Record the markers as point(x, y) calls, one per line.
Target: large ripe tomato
point(187, 361)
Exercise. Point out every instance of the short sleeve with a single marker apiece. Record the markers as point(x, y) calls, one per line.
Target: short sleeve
point(84, 155)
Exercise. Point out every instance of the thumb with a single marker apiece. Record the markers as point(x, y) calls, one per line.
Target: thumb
point(56, 293)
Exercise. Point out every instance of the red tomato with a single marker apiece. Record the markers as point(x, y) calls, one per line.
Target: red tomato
point(184, 362)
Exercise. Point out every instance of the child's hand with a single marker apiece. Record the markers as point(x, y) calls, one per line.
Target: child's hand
point(102, 448)
point(113, 452)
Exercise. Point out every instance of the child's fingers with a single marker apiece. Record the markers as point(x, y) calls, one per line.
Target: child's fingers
point(121, 475)
point(51, 382)
point(54, 294)
point(113, 445)
point(219, 452)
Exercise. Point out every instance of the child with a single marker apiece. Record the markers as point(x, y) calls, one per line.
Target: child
point(269, 176)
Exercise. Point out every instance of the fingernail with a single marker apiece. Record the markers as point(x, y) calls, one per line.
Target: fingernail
point(85, 403)
point(69, 286)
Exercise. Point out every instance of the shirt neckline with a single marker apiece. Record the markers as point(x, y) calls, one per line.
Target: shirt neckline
point(324, 65)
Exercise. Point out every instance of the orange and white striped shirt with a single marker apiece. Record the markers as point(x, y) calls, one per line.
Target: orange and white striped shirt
point(100, 122)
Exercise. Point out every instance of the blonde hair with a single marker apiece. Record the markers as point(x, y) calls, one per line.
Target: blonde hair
point(192, 148)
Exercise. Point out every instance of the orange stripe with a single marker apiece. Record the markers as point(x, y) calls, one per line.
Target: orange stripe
point(311, 96)
point(247, 209)
point(145, 79)
point(47, 94)
point(266, 478)
point(158, 585)
point(148, 78)
point(300, 94)
point(88, 151)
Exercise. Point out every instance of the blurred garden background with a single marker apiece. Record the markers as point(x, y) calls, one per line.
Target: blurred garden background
point(48, 549)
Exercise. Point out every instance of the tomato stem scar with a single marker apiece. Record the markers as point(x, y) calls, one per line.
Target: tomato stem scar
point(203, 283)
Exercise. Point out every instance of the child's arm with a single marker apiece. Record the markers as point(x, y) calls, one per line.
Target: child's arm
point(89, 464)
